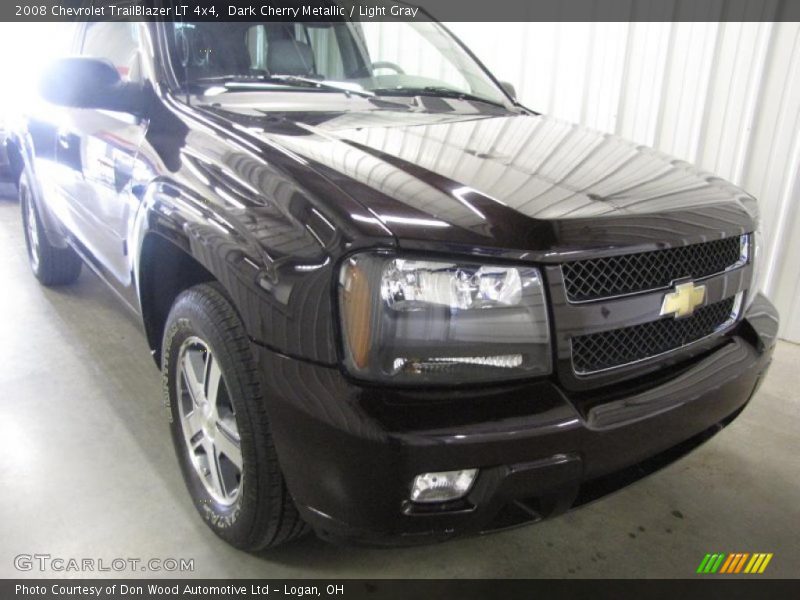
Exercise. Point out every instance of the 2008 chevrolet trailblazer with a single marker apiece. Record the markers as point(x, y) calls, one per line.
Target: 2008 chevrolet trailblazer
point(389, 303)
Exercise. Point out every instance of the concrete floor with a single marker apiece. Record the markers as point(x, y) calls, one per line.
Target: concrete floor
point(87, 468)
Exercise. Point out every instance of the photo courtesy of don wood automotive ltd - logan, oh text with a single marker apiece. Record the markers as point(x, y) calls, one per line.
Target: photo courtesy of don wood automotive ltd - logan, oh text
point(400, 299)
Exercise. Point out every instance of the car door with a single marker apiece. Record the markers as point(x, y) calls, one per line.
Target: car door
point(96, 150)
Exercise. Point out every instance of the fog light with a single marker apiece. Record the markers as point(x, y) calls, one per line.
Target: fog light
point(443, 486)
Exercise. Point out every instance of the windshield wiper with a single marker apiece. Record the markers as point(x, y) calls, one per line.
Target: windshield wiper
point(268, 82)
point(347, 88)
point(435, 90)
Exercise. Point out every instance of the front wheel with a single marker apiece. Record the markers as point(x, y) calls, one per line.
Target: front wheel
point(219, 425)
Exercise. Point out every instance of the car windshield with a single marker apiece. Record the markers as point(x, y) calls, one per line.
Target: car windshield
point(381, 58)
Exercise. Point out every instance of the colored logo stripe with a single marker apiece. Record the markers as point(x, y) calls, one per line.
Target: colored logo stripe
point(703, 564)
point(728, 563)
point(758, 563)
point(736, 562)
point(710, 563)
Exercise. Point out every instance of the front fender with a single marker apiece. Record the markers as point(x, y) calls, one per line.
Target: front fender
point(284, 301)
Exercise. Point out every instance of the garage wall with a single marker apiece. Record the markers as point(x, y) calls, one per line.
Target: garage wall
point(725, 96)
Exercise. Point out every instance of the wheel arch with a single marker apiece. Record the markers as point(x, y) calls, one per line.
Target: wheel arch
point(165, 271)
point(26, 157)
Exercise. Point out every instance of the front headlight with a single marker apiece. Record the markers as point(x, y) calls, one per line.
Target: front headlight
point(406, 320)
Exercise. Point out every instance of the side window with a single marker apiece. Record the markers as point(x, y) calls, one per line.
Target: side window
point(117, 42)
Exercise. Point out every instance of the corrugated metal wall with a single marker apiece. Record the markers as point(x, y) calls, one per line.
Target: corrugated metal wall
point(725, 96)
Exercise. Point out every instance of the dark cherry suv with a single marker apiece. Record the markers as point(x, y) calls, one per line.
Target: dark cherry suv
point(390, 303)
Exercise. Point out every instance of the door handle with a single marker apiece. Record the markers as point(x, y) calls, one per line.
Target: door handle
point(63, 139)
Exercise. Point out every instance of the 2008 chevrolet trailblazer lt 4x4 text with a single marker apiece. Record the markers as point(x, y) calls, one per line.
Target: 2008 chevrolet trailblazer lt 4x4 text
point(390, 304)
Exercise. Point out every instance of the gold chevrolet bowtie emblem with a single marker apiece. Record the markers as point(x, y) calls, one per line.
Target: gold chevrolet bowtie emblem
point(683, 301)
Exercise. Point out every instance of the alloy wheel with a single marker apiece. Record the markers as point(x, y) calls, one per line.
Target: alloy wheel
point(208, 421)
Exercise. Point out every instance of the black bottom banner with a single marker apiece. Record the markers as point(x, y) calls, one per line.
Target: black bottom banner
point(408, 589)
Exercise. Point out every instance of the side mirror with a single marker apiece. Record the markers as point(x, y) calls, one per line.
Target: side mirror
point(509, 89)
point(90, 83)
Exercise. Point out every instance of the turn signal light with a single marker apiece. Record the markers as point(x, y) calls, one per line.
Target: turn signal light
point(357, 312)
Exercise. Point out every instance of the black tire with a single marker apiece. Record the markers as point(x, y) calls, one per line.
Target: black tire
point(52, 266)
point(262, 513)
point(15, 164)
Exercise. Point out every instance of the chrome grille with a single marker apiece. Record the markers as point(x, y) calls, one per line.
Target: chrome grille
point(605, 277)
point(618, 347)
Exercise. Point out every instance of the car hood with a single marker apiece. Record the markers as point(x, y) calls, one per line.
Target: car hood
point(501, 182)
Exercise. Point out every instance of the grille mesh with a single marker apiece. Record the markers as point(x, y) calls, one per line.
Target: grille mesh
point(617, 275)
point(607, 349)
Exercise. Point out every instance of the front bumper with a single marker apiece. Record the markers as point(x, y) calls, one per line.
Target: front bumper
point(349, 453)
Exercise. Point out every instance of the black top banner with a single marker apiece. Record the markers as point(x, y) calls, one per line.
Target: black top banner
point(419, 10)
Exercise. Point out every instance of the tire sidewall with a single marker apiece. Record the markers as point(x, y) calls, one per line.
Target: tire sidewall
point(26, 198)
